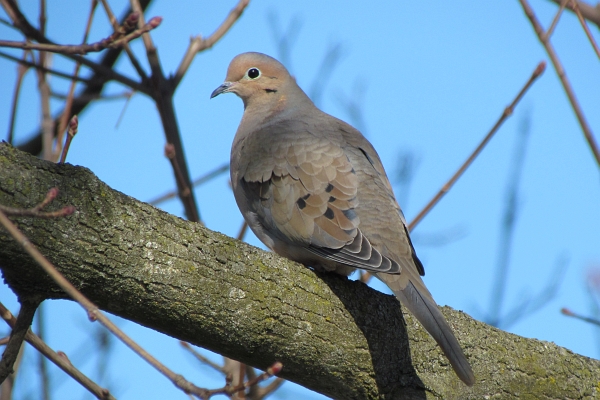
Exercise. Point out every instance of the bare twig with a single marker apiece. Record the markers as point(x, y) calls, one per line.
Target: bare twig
point(102, 69)
point(507, 112)
point(37, 210)
point(509, 220)
point(17, 335)
point(82, 49)
point(43, 361)
point(257, 392)
point(587, 131)
point(556, 18)
point(162, 94)
point(284, 40)
point(73, 127)
point(93, 86)
point(530, 304)
point(198, 44)
point(242, 231)
point(577, 11)
point(185, 190)
point(589, 12)
point(328, 63)
point(200, 357)
point(21, 71)
point(6, 388)
point(47, 121)
point(93, 311)
point(197, 182)
point(62, 125)
point(59, 359)
point(128, 96)
point(353, 104)
point(569, 313)
point(230, 390)
point(42, 68)
point(118, 28)
point(109, 97)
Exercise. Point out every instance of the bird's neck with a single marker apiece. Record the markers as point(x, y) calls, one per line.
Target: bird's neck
point(274, 105)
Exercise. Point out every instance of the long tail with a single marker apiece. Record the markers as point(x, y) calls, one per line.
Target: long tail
point(423, 307)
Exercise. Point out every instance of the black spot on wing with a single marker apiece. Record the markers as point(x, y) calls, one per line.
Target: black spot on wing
point(329, 188)
point(329, 213)
point(301, 203)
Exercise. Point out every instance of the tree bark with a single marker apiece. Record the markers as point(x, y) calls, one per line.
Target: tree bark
point(335, 336)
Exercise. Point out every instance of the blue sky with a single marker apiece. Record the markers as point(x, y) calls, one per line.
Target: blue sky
point(430, 79)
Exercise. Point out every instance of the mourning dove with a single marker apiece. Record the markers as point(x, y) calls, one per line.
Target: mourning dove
point(313, 189)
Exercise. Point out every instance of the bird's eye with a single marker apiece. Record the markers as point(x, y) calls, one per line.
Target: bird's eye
point(253, 73)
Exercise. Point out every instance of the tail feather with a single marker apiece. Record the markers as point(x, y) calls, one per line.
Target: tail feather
point(427, 312)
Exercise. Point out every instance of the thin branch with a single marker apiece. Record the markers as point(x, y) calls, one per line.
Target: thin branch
point(126, 47)
point(71, 94)
point(242, 231)
point(93, 86)
point(587, 131)
point(6, 388)
point(200, 357)
point(83, 49)
point(229, 390)
point(43, 361)
point(284, 40)
point(162, 94)
point(198, 44)
point(257, 392)
point(37, 210)
point(556, 18)
point(530, 304)
point(353, 104)
point(591, 13)
point(184, 190)
point(109, 97)
point(197, 182)
point(329, 62)
point(20, 22)
point(509, 220)
point(137, 8)
point(17, 335)
point(47, 121)
point(93, 311)
point(59, 359)
point(42, 68)
point(507, 112)
point(567, 312)
point(21, 71)
point(575, 6)
point(73, 127)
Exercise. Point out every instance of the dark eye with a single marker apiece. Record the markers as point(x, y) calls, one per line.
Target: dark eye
point(253, 73)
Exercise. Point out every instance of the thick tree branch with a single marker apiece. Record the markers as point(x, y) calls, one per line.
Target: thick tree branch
point(335, 336)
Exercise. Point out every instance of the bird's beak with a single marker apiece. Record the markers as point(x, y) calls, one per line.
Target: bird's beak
point(224, 88)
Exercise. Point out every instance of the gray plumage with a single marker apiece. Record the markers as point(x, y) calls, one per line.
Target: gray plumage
point(313, 189)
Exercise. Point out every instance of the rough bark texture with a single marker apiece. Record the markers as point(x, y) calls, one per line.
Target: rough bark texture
point(335, 336)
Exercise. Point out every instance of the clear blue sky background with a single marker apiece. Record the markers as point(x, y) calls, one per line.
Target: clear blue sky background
point(434, 79)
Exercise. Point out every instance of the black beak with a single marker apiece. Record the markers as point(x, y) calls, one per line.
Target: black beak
point(224, 88)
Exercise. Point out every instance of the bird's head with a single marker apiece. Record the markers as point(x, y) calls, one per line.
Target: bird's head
point(255, 76)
